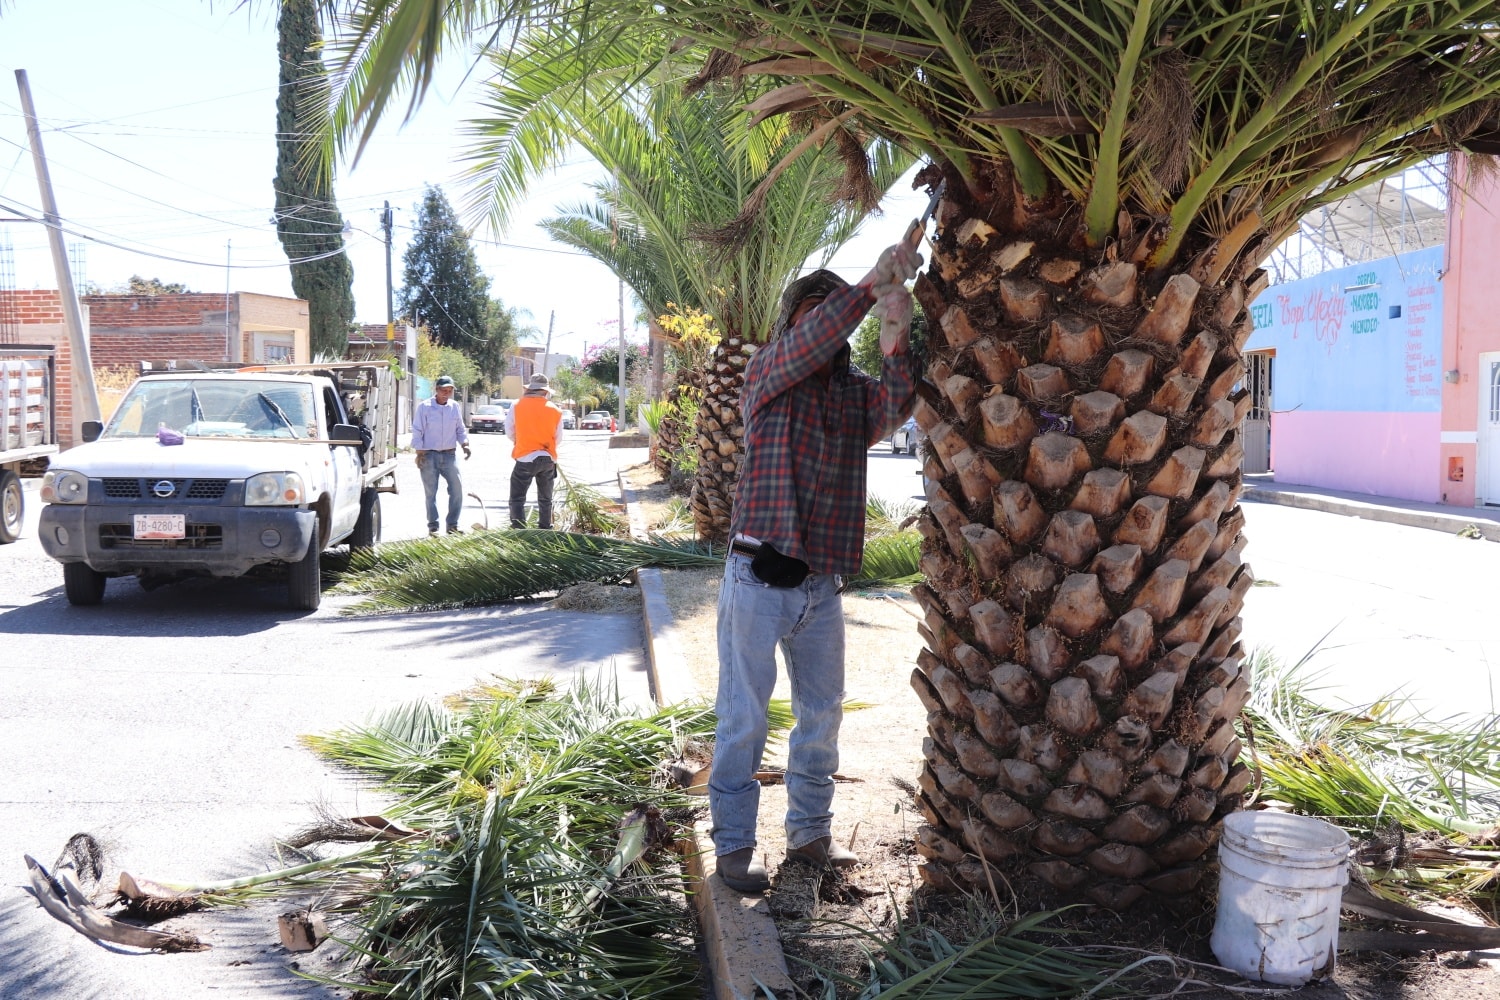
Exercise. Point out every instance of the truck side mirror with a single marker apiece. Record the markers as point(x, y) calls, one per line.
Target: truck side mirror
point(92, 429)
point(346, 434)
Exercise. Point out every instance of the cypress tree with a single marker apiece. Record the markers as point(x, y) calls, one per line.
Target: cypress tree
point(308, 221)
point(443, 288)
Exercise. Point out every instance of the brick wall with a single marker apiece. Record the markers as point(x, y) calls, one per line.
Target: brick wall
point(34, 307)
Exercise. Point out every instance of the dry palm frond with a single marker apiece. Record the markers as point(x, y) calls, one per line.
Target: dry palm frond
point(921, 964)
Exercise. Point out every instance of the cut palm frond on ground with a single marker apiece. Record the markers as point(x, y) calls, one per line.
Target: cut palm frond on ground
point(891, 560)
point(921, 964)
point(428, 574)
point(549, 803)
point(1420, 799)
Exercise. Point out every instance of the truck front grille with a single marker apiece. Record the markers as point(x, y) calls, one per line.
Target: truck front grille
point(199, 536)
point(211, 490)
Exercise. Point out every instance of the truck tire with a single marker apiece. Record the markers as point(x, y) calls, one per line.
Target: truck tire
point(367, 529)
point(305, 578)
point(83, 584)
point(12, 506)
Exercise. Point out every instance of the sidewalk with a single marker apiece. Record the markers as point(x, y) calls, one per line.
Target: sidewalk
point(1263, 488)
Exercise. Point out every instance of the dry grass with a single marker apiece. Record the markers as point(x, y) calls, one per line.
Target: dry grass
point(110, 384)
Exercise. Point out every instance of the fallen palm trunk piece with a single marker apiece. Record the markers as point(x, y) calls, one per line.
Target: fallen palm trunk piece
point(61, 897)
point(1428, 931)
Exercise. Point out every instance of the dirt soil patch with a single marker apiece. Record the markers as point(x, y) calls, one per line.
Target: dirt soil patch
point(826, 920)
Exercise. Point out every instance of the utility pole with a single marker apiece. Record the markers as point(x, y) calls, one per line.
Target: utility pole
point(622, 354)
point(547, 351)
point(387, 223)
point(85, 396)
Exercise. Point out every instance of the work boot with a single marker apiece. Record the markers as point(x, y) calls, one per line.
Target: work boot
point(824, 852)
point(741, 872)
point(454, 529)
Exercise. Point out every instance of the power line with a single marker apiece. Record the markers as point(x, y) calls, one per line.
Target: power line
point(167, 257)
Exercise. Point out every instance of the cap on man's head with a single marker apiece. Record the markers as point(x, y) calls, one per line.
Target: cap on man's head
point(443, 382)
point(539, 383)
point(820, 284)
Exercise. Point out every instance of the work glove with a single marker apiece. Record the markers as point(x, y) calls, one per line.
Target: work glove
point(897, 264)
point(421, 455)
point(466, 451)
point(894, 309)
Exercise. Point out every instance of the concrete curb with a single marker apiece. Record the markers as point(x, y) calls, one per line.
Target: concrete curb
point(745, 959)
point(1450, 523)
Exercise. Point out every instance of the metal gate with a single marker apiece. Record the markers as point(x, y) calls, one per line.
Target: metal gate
point(1257, 430)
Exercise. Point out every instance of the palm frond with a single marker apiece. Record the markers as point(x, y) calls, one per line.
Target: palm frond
point(884, 517)
point(1368, 767)
point(891, 561)
point(486, 567)
point(1268, 108)
point(524, 795)
point(920, 963)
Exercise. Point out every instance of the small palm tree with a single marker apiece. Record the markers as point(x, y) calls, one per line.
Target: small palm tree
point(680, 168)
point(1113, 173)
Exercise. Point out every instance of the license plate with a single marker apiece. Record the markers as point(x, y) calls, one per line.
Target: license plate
point(160, 526)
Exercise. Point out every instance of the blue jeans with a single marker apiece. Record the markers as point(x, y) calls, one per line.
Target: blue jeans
point(807, 622)
point(445, 464)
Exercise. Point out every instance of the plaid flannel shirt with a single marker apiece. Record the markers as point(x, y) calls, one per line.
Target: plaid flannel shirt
point(802, 486)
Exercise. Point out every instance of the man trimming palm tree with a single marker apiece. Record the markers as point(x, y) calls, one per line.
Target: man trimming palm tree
point(798, 526)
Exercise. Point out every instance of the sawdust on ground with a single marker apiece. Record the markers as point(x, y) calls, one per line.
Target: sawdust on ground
point(830, 922)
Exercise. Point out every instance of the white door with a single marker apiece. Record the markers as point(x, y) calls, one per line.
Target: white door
point(1257, 432)
point(1487, 485)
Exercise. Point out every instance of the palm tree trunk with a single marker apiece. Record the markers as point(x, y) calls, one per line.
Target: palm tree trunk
point(1082, 549)
point(721, 439)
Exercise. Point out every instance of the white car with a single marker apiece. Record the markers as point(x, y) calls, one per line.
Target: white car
point(907, 437)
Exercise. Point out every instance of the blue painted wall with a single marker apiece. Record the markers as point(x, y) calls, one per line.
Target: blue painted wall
point(1366, 338)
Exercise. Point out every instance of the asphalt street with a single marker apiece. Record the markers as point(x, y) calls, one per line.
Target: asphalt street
point(166, 724)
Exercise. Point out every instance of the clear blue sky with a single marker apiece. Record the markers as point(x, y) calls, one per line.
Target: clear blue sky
point(159, 121)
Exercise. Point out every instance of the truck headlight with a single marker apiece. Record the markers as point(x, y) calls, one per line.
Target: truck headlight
point(65, 486)
point(274, 488)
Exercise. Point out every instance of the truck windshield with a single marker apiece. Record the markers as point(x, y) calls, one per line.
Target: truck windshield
point(220, 408)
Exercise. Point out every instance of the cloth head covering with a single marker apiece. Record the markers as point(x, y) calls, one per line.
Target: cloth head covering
point(820, 284)
point(443, 382)
point(539, 383)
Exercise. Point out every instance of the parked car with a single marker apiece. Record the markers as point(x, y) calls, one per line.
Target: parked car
point(487, 417)
point(597, 420)
point(569, 420)
point(907, 437)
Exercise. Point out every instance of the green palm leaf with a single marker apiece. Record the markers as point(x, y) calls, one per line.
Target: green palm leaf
point(485, 567)
point(891, 561)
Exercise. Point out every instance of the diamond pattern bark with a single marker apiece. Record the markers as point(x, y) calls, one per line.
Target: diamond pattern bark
point(1083, 550)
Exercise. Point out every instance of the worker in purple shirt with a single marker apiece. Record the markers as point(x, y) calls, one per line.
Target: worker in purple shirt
point(797, 529)
point(437, 431)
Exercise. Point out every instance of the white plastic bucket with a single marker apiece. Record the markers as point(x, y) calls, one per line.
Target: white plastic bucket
point(1281, 879)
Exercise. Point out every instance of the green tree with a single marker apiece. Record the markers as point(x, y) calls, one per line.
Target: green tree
point(443, 288)
point(433, 359)
point(669, 219)
point(308, 222)
point(137, 285)
point(1113, 172)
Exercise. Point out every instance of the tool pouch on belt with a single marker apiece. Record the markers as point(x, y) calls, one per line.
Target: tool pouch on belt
point(777, 570)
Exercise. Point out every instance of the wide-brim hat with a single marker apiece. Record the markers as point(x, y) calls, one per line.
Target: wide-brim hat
point(539, 383)
point(819, 284)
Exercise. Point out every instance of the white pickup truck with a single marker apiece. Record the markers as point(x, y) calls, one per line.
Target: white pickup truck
point(225, 472)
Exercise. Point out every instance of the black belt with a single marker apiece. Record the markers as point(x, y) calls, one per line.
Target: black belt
point(745, 548)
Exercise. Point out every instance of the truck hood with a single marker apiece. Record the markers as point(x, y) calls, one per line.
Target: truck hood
point(206, 458)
